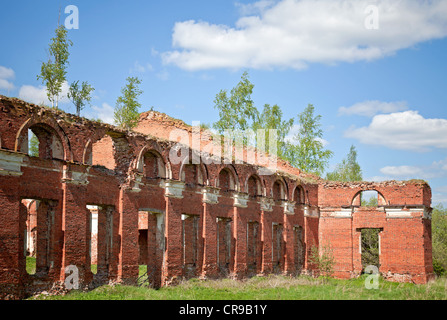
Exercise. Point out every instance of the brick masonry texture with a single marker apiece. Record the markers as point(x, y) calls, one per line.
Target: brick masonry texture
point(97, 194)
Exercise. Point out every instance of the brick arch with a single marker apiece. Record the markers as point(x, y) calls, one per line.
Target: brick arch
point(282, 193)
point(200, 167)
point(233, 183)
point(258, 187)
point(45, 125)
point(87, 153)
point(356, 199)
point(299, 194)
point(163, 165)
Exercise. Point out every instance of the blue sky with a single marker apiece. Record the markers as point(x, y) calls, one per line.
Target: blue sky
point(374, 70)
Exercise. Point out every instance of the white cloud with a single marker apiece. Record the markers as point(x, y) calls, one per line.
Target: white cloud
point(437, 169)
point(402, 171)
point(105, 113)
point(373, 107)
point(406, 130)
point(295, 33)
point(38, 95)
point(6, 74)
point(254, 8)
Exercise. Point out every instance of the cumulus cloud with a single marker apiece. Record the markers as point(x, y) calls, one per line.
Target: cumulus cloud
point(406, 130)
point(373, 107)
point(295, 33)
point(104, 113)
point(38, 95)
point(437, 169)
point(6, 74)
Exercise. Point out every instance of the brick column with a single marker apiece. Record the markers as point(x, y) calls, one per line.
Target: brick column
point(289, 238)
point(266, 235)
point(128, 234)
point(12, 255)
point(209, 233)
point(76, 229)
point(173, 262)
point(240, 235)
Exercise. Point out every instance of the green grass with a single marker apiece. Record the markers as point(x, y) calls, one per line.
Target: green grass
point(272, 287)
point(30, 265)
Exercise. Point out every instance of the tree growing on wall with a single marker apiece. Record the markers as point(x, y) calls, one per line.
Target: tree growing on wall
point(236, 110)
point(80, 95)
point(53, 72)
point(271, 117)
point(126, 110)
point(307, 152)
point(348, 169)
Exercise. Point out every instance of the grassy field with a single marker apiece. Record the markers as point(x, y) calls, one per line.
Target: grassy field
point(272, 287)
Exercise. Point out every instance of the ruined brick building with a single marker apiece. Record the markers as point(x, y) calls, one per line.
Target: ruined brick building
point(100, 195)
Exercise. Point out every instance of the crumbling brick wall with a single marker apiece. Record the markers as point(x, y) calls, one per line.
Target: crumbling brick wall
point(181, 218)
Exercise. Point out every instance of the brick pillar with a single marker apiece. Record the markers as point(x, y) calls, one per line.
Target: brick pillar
point(12, 228)
point(128, 234)
point(240, 237)
point(289, 241)
point(266, 235)
point(76, 229)
point(173, 262)
point(209, 233)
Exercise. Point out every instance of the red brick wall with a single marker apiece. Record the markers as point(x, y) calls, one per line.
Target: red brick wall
point(183, 220)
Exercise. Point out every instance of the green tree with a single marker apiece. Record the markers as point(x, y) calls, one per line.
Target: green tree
point(348, 169)
point(33, 148)
point(80, 95)
point(271, 118)
point(439, 239)
point(53, 73)
point(236, 111)
point(126, 110)
point(371, 202)
point(307, 152)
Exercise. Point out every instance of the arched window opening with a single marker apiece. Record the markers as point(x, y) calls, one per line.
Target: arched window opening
point(191, 175)
point(278, 191)
point(369, 198)
point(103, 153)
point(153, 166)
point(298, 195)
point(43, 142)
point(254, 187)
point(226, 182)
